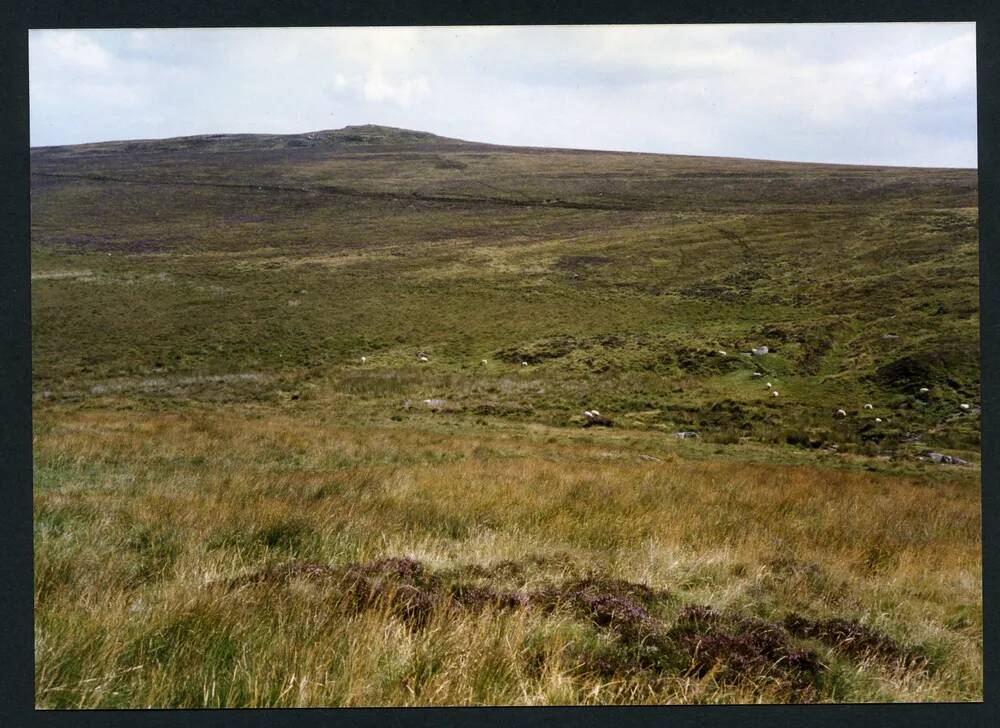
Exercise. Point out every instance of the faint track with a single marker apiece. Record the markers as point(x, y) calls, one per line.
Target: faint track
point(350, 192)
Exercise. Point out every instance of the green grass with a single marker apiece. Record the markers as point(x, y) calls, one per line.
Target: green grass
point(199, 311)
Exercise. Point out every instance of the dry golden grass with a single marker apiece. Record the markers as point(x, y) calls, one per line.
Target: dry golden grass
point(142, 518)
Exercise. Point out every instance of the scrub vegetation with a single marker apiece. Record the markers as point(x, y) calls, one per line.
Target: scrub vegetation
point(232, 508)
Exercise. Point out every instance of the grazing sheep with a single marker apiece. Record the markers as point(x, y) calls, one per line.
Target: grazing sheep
point(483, 362)
point(524, 363)
point(756, 375)
point(596, 412)
point(965, 406)
point(878, 420)
point(841, 413)
point(364, 359)
point(774, 393)
point(869, 406)
point(720, 352)
point(422, 357)
point(588, 413)
point(770, 386)
point(923, 390)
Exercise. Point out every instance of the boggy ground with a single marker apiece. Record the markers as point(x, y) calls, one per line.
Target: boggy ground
point(231, 508)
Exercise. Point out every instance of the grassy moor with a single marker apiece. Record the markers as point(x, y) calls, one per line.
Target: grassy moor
point(310, 430)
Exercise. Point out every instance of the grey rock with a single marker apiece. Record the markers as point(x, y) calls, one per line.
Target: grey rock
point(942, 459)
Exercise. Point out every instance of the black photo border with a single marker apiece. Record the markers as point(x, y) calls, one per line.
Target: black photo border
point(16, 577)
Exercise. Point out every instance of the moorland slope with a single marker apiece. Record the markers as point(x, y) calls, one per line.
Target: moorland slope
point(232, 507)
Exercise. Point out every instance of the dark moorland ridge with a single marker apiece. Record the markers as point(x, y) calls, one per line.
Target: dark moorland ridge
point(250, 491)
point(350, 136)
point(366, 136)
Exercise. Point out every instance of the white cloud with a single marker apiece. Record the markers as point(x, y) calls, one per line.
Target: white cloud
point(775, 91)
point(73, 50)
point(376, 85)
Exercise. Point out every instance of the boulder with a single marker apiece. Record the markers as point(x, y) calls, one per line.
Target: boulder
point(942, 459)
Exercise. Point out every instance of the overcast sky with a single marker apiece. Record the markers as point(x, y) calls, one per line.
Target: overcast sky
point(894, 93)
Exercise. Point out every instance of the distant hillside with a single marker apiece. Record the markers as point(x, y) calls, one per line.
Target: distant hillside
point(449, 170)
point(371, 137)
point(617, 277)
point(349, 136)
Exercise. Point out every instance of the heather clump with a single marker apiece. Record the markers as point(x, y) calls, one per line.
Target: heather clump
point(853, 638)
point(405, 569)
point(739, 649)
point(478, 597)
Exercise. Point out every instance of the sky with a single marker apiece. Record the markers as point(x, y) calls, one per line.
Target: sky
point(873, 93)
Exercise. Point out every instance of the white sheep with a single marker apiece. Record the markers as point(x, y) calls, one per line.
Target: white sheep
point(774, 393)
point(770, 386)
point(720, 352)
point(841, 413)
point(965, 406)
point(423, 358)
point(924, 390)
point(878, 420)
point(483, 362)
point(524, 363)
point(364, 359)
point(588, 414)
point(869, 406)
point(596, 412)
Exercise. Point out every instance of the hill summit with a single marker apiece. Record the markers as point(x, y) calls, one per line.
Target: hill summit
point(365, 135)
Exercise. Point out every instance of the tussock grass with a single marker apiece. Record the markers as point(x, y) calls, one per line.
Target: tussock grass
point(130, 611)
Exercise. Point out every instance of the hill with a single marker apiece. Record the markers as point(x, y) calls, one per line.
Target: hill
point(617, 276)
point(367, 135)
point(251, 491)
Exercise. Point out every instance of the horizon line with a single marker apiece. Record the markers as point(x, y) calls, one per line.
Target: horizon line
point(496, 144)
